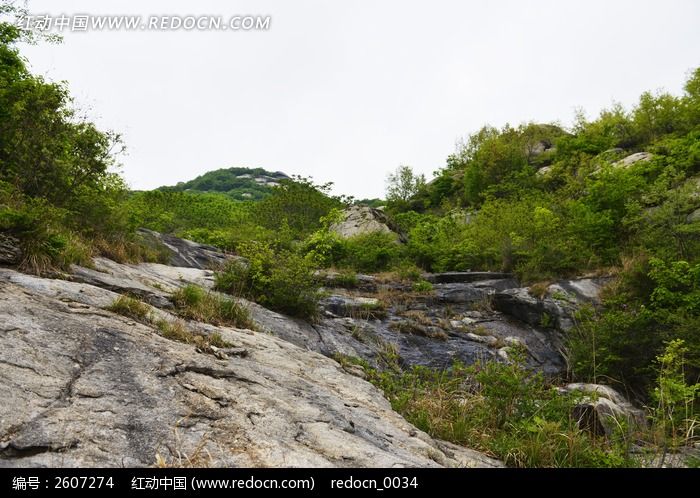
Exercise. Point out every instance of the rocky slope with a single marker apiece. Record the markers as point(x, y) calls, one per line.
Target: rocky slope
point(86, 387)
point(376, 319)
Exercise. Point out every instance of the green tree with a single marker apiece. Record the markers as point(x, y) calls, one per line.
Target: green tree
point(298, 204)
point(402, 185)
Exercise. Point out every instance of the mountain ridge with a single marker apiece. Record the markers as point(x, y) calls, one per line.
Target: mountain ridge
point(239, 183)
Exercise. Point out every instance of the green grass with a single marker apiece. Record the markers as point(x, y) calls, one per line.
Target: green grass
point(500, 409)
point(130, 307)
point(346, 279)
point(195, 303)
point(422, 287)
point(178, 331)
point(174, 330)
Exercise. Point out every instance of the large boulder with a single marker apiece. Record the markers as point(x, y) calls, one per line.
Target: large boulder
point(694, 216)
point(556, 307)
point(603, 411)
point(186, 253)
point(361, 220)
point(83, 386)
point(472, 292)
point(151, 282)
point(334, 279)
point(637, 157)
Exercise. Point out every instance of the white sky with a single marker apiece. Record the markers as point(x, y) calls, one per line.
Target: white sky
point(347, 91)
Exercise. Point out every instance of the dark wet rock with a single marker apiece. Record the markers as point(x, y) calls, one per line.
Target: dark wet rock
point(452, 277)
point(418, 334)
point(556, 308)
point(10, 252)
point(602, 410)
point(186, 253)
point(519, 303)
point(355, 323)
point(337, 305)
point(334, 279)
point(471, 293)
point(431, 329)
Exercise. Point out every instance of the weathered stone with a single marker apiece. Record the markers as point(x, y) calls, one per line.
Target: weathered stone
point(544, 171)
point(186, 253)
point(519, 303)
point(694, 216)
point(489, 340)
point(151, 282)
point(360, 220)
point(366, 332)
point(86, 387)
point(556, 308)
point(452, 277)
point(334, 279)
point(353, 306)
point(10, 252)
point(471, 292)
point(637, 157)
point(603, 410)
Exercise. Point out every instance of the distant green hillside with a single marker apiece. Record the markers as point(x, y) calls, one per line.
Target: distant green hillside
point(238, 183)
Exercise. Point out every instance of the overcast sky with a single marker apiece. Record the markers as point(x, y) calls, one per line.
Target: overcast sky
point(347, 91)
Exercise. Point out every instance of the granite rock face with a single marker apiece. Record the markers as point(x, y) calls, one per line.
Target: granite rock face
point(186, 253)
point(554, 309)
point(83, 386)
point(637, 157)
point(433, 329)
point(88, 387)
point(361, 220)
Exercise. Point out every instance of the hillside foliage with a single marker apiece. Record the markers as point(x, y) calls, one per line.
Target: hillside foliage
point(537, 200)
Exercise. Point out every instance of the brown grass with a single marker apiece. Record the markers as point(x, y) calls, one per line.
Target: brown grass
point(539, 289)
point(123, 250)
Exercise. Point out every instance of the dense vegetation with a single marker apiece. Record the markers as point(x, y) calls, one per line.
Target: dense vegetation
point(547, 203)
point(536, 199)
point(58, 193)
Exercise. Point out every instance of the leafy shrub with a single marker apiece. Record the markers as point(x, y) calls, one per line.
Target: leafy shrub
point(371, 252)
point(45, 242)
point(324, 248)
point(280, 280)
point(406, 270)
point(653, 303)
point(536, 236)
point(677, 401)
point(346, 279)
point(298, 204)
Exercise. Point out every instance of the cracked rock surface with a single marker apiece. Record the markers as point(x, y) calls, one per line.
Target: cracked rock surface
point(82, 386)
point(349, 326)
